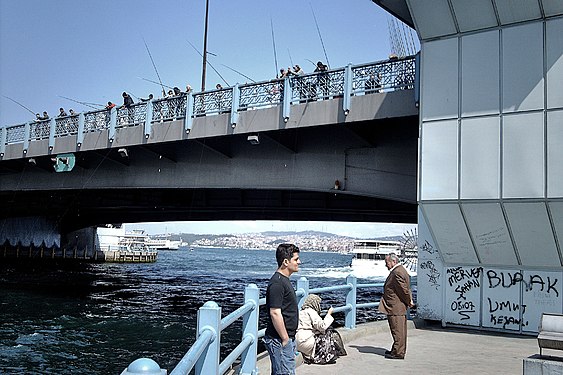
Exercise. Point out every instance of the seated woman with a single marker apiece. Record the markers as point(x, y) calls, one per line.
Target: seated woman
point(317, 343)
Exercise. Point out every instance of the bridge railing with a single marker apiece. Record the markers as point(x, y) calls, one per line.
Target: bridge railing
point(352, 80)
point(67, 125)
point(169, 109)
point(96, 120)
point(133, 115)
point(205, 352)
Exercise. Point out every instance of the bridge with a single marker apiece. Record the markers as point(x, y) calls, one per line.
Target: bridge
point(339, 145)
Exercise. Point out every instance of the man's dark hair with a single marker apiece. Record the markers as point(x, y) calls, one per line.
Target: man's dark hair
point(285, 251)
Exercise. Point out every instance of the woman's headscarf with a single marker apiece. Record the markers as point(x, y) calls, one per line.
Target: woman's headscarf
point(312, 301)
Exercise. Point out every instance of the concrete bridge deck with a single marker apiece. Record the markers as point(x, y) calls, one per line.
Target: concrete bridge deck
point(431, 349)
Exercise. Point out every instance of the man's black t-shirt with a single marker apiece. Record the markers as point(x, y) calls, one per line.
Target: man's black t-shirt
point(280, 295)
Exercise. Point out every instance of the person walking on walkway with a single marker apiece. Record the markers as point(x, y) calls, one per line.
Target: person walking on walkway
point(283, 313)
point(397, 296)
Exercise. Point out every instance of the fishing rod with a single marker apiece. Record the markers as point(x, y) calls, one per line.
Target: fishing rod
point(90, 105)
point(290, 59)
point(236, 71)
point(154, 66)
point(18, 103)
point(274, 44)
point(156, 83)
point(320, 36)
point(312, 62)
point(208, 62)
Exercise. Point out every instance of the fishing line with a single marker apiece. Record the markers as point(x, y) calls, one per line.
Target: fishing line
point(274, 44)
point(320, 36)
point(208, 62)
point(154, 66)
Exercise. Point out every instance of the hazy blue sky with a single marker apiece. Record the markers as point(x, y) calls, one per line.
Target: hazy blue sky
point(92, 51)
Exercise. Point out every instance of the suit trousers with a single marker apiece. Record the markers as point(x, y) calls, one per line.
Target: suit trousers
point(398, 328)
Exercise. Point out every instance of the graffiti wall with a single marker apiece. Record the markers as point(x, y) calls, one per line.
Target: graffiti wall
point(511, 300)
point(429, 275)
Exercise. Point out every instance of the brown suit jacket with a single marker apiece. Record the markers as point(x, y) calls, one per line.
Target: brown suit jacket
point(396, 293)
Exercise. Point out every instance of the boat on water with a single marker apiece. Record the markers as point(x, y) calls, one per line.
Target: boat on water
point(124, 247)
point(369, 257)
point(162, 242)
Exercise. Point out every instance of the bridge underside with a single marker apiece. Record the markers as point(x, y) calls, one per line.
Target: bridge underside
point(288, 175)
point(81, 208)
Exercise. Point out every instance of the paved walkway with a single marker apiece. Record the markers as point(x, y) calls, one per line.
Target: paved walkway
point(430, 350)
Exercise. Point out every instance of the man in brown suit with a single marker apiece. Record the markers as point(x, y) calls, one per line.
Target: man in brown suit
point(397, 296)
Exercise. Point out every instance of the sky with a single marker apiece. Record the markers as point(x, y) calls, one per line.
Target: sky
point(92, 51)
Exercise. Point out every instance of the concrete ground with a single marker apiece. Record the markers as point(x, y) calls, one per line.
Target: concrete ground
point(431, 349)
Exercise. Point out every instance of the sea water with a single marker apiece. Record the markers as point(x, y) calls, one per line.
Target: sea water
point(98, 318)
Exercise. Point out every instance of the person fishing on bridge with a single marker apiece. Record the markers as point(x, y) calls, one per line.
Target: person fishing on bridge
point(127, 103)
point(62, 112)
point(147, 99)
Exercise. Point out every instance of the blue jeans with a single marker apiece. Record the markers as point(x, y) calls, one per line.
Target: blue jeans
point(282, 358)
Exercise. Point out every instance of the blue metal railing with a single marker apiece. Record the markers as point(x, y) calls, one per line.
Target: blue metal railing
point(352, 80)
point(204, 353)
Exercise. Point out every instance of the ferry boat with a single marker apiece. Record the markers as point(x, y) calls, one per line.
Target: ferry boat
point(162, 242)
point(369, 257)
point(124, 247)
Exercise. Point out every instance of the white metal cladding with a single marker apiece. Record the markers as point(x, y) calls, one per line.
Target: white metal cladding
point(554, 43)
point(556, 211)
point(480, 77)
point(450, 233)
point(523, 156)
point(440, 79)
point(426, 15)
point(474, 14)
point(529, 223)
point(541, 294)
point(490, 233)
point(480, 158)
point(555, 154)
point(522, 67)
point(511, 11)
point(439, 160)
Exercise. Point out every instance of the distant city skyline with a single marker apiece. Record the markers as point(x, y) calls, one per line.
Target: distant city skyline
point(354, 230)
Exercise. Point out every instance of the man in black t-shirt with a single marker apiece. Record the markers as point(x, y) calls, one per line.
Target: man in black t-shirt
point(283, 313)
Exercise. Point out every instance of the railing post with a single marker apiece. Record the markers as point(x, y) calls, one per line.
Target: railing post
point(3, 133)
point(347, 89)
point(26, 132)
point(188, 120)
point(303, 283)
point(52, 131)
point(112, 123)
point(287, 95)
point(234, 105)
point(148, 119)
point(209, 317)
point(80, 135)
point(250, 327)
point(350, 319)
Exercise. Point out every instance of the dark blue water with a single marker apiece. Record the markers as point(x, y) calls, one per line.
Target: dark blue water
point(98, 318)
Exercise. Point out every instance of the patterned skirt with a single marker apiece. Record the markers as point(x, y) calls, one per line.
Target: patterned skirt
point(328, 347)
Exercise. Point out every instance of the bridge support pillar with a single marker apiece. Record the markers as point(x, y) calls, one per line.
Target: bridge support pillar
point(235, 105)
point(287, 95)
point(188, 120)
point(52, 131)
point(148, 120)
point(347, 89)
point(112, 124)
point(3, 132)
point(80, 135)
point(26, 137)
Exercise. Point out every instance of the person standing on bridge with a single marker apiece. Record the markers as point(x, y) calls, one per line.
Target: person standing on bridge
point(283, 313)
point(397, 296)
